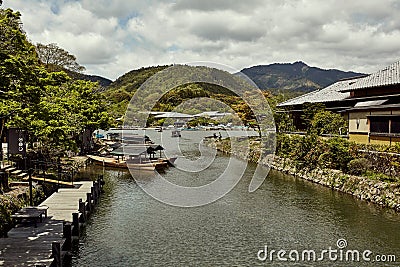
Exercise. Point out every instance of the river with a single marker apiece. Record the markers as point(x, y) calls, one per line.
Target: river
point(130, 228)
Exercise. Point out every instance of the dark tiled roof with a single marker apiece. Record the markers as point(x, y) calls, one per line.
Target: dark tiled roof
point(328, 94)
point(341, 89)
point(388, 76)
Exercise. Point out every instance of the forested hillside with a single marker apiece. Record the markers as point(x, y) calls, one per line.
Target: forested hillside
point(294, 77)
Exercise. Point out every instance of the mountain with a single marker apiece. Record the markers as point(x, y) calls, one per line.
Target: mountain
point(103, 82)
point(295, 77)
point(120, 92)
point(133, 79)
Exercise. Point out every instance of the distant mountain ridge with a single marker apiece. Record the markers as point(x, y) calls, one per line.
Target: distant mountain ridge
point(291, 78)
point(103, 82)
point(294, 77)
point(297, 77)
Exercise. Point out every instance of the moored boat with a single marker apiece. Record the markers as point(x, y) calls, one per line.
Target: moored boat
point(135, 156)
point(108, 161)
point(176, 133)
point(143, 165)
point(127, 164)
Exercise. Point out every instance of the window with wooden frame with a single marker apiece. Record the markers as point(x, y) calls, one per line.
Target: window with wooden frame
point(379, 125)
point(389, 124)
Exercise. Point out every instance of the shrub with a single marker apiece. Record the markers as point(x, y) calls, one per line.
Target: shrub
point(380, 177)
point(327, 122)
point(358, 166)
point(337, 153)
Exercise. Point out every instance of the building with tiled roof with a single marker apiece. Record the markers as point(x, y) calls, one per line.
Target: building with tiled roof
point(328, 94)
point(389, 77)
point(370, 104)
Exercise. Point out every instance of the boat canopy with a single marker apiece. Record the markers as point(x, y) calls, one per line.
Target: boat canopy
point(129, 150)
point(135, 139)
point(135, 150)
point(155, 147)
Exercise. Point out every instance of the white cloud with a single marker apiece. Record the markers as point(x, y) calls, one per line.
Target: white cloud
point(115, 36)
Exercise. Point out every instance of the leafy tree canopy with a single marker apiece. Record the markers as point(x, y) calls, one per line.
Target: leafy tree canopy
point(54, 58)
point(309, 110)
point(327, 122)
point(53, 108)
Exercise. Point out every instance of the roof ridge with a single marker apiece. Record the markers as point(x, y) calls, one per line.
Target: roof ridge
point(300, 96)
point(390, 75)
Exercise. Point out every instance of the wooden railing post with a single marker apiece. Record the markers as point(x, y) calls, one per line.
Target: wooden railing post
point(101, 182)
point(99, 186)
point(67, 234)
point(94, 196)
point(56, 254)
point(75, 223)
point(89, 201)
point(96, 190)
point(82, 209)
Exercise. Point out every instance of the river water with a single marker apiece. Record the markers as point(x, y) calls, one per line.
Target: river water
point(130, 228)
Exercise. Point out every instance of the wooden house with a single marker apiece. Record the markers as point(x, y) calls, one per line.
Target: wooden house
point(370, 104)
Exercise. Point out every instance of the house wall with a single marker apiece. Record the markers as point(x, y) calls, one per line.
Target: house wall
point(358, 127)
point(358, 122)
point(360, 133)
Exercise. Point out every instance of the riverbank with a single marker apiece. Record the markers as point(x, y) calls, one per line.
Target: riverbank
point(386, 194)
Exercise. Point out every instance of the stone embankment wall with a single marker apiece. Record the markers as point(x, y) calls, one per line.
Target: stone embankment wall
point(382, 193)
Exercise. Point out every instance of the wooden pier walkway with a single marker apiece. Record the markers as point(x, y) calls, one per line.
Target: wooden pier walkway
point(51, 181)
point(46, 244)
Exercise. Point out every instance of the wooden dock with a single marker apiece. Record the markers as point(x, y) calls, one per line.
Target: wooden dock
point(50, 241)
point(51, 181)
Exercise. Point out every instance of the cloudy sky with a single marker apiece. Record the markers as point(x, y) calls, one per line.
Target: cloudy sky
point(112, 37)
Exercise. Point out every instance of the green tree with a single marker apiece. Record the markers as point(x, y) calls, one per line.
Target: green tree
point(327, 122)
point(63, 113)
point(204, 121)
point(56, 58)
point(53, 108)
point(338, 153)
point(283, 120)
point(309, 111)
point(19, 71)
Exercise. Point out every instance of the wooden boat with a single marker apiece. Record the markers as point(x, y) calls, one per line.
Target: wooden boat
point(159, 164)
point(169, 161)
point(135, 164)
point(108, 161)
point(144, 165)
point(176, 133)
point(135, 157)
point(151, 150)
